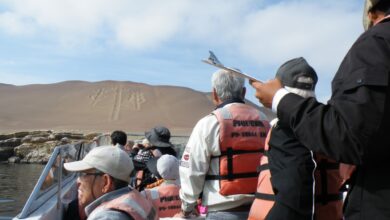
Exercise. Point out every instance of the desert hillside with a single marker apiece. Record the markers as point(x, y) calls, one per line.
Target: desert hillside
point(101, 107)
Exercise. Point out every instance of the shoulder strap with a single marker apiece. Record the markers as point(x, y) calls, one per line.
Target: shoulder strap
point(264, 196)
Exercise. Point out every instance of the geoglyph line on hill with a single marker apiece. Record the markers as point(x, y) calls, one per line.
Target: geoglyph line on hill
point(136, 99)
point(133, 100)
point(95, 98)
point(117, 104)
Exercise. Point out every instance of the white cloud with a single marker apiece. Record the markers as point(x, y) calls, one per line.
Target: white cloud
point(298, 28)
point(14, 24)
point(283, 28)
point(151, 25)
point(265, 34)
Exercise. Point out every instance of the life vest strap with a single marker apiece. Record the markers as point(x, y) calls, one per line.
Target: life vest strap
point(229, 153)
point(264, 196)
point(324, 199)
point(235, 152)
point(235, 176)
point(323, 164)
point(262, 167)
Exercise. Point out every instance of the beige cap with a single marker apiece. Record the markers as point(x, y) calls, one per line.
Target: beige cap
point(168, 167)
point(107, 159)
point(367, 23)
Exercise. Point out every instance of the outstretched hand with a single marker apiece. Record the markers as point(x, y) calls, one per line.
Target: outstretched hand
point(265, 91)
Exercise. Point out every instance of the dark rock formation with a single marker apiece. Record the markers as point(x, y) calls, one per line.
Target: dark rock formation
point(36, 146)
point(14, 159)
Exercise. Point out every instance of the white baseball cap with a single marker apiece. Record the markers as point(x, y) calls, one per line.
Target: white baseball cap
point(107, 159)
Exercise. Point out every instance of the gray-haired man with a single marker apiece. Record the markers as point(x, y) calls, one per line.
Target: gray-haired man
point(222, 153)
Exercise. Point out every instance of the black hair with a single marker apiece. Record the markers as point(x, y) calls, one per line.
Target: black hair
point(118, 183)
point(167, 150)
point(118, 137)
point(383, 6)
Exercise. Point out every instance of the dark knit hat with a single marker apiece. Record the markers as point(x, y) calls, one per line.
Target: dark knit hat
point(297, 73)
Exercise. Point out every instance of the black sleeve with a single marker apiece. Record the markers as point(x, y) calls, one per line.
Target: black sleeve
point(345, 127)
point(134, 152)
point(72, 212)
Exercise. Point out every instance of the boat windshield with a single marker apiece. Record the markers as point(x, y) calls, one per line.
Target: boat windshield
point(54, 176)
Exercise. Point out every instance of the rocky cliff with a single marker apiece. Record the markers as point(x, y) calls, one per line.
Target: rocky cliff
point(36, 146)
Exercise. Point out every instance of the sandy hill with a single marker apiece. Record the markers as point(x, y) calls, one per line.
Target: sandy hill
point(101, 106)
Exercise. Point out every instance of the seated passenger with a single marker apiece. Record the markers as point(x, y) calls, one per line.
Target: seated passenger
point(137, 147)
point(119, 139)
point(128, 147)
point(164, 193)
point(103, 189)
point(159, 144)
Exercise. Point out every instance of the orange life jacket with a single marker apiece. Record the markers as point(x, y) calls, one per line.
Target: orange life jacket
point(346, 171)
point(327, 184)
point(166, 199)
point(328, 198)
point(132, 203)
point(242, 134)
point(264, 196)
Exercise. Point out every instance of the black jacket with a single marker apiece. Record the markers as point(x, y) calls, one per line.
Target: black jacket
point(291, 165)
point(354, 127)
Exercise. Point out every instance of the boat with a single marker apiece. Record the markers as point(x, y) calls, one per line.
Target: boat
point(56, 187)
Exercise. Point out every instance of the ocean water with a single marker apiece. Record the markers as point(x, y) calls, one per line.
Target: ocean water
point(16, 183)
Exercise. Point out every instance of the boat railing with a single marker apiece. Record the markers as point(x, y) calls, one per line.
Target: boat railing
point(56, 187)
point(54, 177)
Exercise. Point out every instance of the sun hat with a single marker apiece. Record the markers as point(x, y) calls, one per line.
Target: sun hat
point(367, 23)
point(159, 136)
point(297, 73)
point(167, 167)
point(107, 159)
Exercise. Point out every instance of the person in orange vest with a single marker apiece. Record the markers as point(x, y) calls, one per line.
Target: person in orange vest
point(264, 196)
point(158, 143)
point(289, 193)
point(103, 178)
point(353, 127)
point(220, 159)
point(164, 193)
point(329, 178)
point(328, 189)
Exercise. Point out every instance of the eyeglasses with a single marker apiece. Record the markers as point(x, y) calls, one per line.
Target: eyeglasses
point(82, 174)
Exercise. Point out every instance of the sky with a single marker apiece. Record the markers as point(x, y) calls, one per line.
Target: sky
point(162, 42)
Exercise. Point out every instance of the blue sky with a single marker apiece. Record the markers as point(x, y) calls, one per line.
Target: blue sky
point(162, 42)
